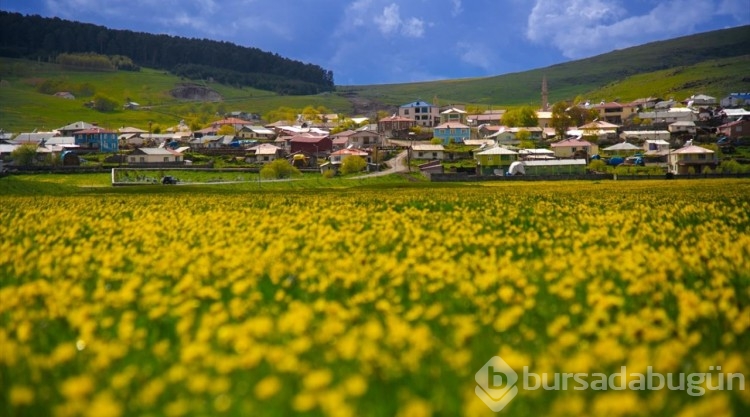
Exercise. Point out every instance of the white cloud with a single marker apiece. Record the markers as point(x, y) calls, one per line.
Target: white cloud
point(414, 28)
point(457, 8)
point(580, 28)
point(475, 54)
point(390, 20)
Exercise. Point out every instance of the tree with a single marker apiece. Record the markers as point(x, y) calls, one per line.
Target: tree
point(524, 136)
point(561, 120)
point(25, 154)
point(523, 117)
point(103, 103)
point(227, 130)
point(352, 164)
point(279, 169)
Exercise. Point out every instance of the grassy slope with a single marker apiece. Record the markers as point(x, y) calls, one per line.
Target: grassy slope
point(713, 63)
point(23, 108)
point(588, 75)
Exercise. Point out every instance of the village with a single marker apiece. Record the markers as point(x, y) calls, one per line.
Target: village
point(659, 136)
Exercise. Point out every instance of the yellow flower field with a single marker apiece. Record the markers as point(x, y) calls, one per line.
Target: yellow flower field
point(371, 302)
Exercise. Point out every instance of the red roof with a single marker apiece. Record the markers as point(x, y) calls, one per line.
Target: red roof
point(231, 121)
point(571, 142)
point(307, 139)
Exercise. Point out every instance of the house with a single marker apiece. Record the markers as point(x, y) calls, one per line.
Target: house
point(555, 167)
point(489, 117)
point(341, 139)
point(495, 158)
point(212, 142)
point(485, 131)
point(643, 135)
point(363, 139)
point(656, 147)
point(452, 132)
point(389, 125)
point(614, 112)
point(98, 139)
point(504, 136)
point(735, 114)
point(734, 130)
point(687, 127)
point(234, 122)
point(311, 144)
point(698, 100)
point(68, 130)
point(570, 148)
point(453, 115)
point(645, 103)
point(264, 153)
point(422, 113)
point(535, 154)
point(33, 137)
point(544, 119)
point(736, 100)
point(599, 129)
point(692, 159)
point(428, 151)
point(621, 149)
point(65, 94)
point(154, 156)
point(479, 143)
point(669, 116)
point(256, 132)
point(338, 156)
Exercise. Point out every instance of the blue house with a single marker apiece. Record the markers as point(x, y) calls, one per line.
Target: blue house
point(424, 114)
point(452, 132)
point(97, 139)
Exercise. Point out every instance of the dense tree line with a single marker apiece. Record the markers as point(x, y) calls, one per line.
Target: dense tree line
point(35, 36)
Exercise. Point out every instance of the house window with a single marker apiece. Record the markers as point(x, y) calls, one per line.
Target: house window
point(166, 159)
point(406, 111)
point(265, 158)
point(143, 159)
point(434, 154)
point(574, 149)
point(702, 156)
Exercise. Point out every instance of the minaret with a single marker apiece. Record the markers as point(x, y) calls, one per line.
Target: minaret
point(545, 94)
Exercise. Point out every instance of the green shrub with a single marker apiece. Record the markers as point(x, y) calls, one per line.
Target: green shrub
point(279, 169)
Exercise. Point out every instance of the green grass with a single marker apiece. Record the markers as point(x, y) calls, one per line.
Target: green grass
point(196, 182)
point(23, 108)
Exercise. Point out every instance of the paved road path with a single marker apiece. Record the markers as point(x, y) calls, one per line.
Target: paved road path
point(395, 165)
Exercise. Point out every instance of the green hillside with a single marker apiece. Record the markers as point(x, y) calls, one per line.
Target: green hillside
point(588, 76)
point(714, 63)
point(24, 108)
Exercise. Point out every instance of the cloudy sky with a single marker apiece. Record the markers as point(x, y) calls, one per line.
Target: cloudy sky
point(393, 41)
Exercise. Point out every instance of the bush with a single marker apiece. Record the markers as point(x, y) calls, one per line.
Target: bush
point(24, 155)
point(103, 103)
point(597, 165)
point(352, 164)
point(279, 169)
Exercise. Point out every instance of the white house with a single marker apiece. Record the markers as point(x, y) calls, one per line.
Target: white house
point(428, 151)
point(692, 156)
point(154, 156)
point(683, 127)
point(264, 153)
